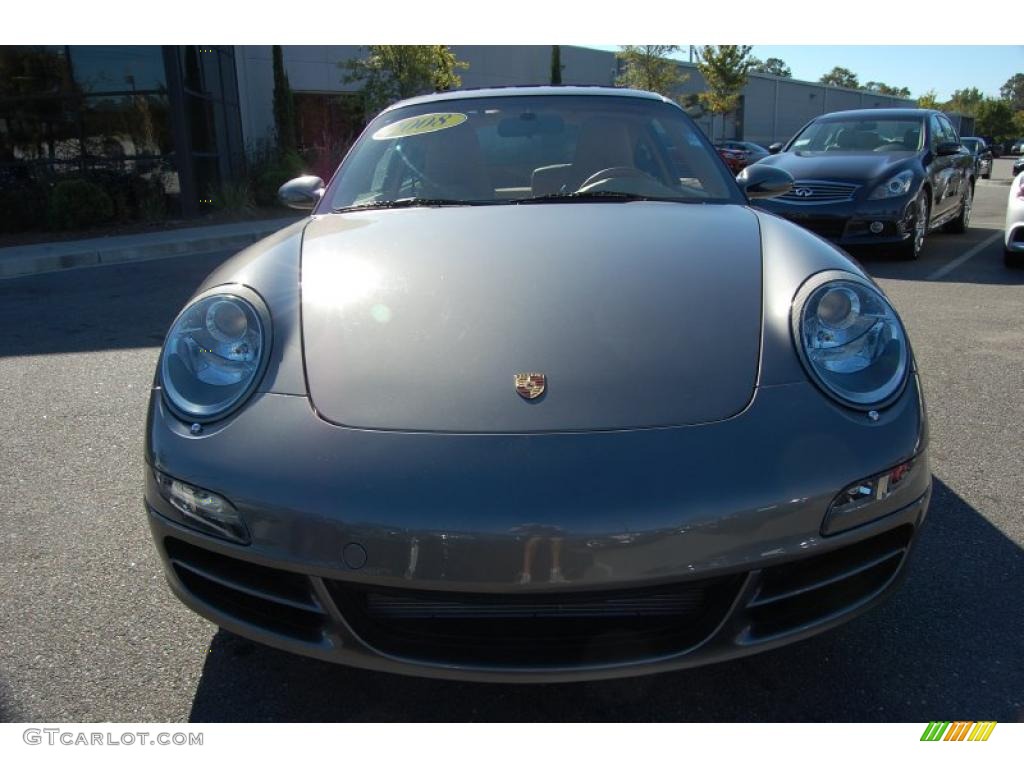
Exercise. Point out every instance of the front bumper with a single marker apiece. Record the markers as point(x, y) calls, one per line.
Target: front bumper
point(848, 223)
point(643, 551)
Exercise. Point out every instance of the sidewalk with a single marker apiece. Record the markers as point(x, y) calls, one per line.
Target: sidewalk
point(50, 257)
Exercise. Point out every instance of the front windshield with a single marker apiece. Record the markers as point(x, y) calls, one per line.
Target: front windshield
point(507, 149)
point(971, 144)
point(883, 135)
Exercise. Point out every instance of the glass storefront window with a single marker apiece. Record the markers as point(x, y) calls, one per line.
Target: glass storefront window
point(40, 129)
point(131, 118)
point(33, 71)
point(118, 68)
point(125, 126)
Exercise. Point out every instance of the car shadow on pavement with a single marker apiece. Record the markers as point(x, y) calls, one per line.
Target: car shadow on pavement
point(985, 267)
point(948, 645)
point(113, 307)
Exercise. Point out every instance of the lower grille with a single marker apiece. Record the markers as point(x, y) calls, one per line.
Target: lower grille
point(829, 228)
point(536, 629)
point(270, 598)
point(812, 590)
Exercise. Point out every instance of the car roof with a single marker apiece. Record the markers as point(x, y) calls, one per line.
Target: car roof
point(530, 90)
point(879, 114)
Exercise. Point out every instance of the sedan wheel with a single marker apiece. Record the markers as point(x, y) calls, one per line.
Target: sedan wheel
point(960, 223)
point(911, 248)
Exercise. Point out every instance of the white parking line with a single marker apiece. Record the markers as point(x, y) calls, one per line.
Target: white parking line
point(943, 271)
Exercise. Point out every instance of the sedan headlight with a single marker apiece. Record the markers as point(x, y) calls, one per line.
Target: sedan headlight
point(215, 353)
point(851, 341)
point(897, 186)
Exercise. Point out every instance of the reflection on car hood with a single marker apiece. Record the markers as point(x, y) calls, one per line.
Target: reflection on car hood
point(640, 314)
point(841, 166)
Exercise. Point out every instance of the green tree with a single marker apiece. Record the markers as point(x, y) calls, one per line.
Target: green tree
point(1013, 91)
point(556, 65)
point(928, 100)
point(389, 73)
point(994, 118)
point(771, 66)
point(840, 77)
point(965, 101)
point(648, 68)
point(724, 68)
point(887, 90)
point(284, 106)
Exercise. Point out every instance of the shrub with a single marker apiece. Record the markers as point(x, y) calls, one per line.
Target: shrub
point(269, 172)
point(78, 203)
point(23, 207)
point(267, 184)
point(135, 197)
point(234, 196)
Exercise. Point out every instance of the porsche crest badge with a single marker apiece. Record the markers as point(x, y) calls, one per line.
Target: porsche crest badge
point(531, 385)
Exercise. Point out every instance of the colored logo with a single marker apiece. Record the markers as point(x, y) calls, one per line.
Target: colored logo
point(530, 385)
point(413, 126)
point(959, 730)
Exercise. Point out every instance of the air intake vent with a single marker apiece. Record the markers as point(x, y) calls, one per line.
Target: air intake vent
point(536, 628)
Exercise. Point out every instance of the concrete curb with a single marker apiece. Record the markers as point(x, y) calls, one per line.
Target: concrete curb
point(18, 261)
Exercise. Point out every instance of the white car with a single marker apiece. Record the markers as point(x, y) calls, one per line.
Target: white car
point(1013, 239)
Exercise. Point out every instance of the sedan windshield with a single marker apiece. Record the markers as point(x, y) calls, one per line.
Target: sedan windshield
point(972, 144)
point(541, 148)
point(888, 135)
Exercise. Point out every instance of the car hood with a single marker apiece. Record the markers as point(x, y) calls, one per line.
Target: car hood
point(639, 314)
point(841, 166)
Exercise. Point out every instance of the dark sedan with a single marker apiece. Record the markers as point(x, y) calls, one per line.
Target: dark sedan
point(877, 177)
point(982, 155)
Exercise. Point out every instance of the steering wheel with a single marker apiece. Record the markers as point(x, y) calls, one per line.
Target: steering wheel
point(615, 172)
point(423, 178)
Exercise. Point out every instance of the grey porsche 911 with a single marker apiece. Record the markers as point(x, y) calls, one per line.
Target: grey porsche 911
point(533, 394)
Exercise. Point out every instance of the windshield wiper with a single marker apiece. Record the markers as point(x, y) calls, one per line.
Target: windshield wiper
point(600, 195)
point(404, 202)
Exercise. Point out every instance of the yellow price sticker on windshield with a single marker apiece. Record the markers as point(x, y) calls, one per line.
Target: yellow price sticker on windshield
point(412, 126)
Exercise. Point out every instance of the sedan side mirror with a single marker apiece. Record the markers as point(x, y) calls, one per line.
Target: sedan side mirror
point(760, 181)
point(302, 193)
point(947, 148)
point(774, 149)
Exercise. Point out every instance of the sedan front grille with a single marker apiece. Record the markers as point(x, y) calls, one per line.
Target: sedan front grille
point(811, 192)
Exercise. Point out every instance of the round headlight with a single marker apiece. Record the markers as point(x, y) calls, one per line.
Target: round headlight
point(213, 356)
point(851, 342)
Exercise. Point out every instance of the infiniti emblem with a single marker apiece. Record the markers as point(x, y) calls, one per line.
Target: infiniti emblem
point(803, 192)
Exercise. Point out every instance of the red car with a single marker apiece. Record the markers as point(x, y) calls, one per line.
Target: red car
point(736, 159)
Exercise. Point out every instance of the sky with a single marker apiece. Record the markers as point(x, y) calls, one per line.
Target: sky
point(918, 67)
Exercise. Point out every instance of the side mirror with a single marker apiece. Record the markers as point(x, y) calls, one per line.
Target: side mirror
point(302, 193)
point(947, 148)
point(774, 149)
point(760, 181)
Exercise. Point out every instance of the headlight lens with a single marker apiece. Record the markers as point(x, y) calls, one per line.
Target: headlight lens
point(212, 357)
point(897, 186)
point(853, 343)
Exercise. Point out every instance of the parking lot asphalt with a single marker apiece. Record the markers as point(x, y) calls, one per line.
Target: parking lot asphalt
point(89, 630)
